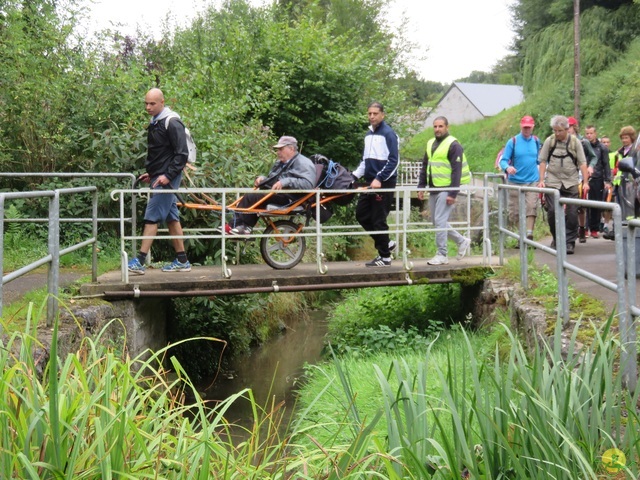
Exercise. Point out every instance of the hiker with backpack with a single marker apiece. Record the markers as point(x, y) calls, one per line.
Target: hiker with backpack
point(561, 159)
point(167, 155)
point(519, 161)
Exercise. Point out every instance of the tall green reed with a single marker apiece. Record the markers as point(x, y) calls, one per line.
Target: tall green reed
point(98, 415)
point(546, 415)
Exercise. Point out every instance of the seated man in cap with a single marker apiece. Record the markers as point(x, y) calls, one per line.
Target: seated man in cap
point(292, 171)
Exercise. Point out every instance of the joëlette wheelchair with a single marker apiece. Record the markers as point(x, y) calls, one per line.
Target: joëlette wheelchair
point(280, 246)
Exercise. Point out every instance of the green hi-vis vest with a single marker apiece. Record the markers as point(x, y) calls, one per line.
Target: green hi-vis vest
point(439, 166)
point(617, 179)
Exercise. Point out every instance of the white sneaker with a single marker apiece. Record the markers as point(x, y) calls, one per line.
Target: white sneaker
point(463, 248)
point(438, 260)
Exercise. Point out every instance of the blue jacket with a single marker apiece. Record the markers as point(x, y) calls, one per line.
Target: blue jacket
point(380, 156)
point(524, 159)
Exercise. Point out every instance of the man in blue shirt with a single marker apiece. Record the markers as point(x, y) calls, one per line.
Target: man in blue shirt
point(520, 162)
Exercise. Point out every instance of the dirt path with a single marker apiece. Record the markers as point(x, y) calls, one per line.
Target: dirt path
point(19, 287)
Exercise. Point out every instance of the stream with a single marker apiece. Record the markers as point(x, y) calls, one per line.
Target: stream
point(272, 370)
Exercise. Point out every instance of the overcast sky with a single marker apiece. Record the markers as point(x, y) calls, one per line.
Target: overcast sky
point(474, 34)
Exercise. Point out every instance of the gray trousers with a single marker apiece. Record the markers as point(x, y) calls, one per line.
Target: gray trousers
point(440, 212)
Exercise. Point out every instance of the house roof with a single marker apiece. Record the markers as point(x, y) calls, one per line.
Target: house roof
point(490, 99)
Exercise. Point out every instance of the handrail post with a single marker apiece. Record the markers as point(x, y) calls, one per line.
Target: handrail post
point(94, 230)
point(134, 215)
point(54, 251)
point(561, 257)
point(408, 265)
point(626, 321)
point(486, 244)
point(226, 272)
point(322, 267)
point(502, 206)
point(1, 251)
point(522, 233)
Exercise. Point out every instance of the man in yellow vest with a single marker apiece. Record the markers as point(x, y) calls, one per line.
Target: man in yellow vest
point(444, 165)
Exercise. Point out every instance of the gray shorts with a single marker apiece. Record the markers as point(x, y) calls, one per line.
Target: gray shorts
point(162, 208)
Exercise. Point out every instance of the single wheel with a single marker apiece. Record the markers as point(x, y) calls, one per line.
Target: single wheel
point(280, 249)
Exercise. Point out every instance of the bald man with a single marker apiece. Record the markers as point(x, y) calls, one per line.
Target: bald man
point(167, 155)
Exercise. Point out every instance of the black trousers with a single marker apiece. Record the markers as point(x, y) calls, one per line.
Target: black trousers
point(570, 212)
point(372, 212)
point(249, 199)
point(596, 192)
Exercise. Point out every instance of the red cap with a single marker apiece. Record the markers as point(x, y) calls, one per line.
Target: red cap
point(572, 121)
point(527, 121)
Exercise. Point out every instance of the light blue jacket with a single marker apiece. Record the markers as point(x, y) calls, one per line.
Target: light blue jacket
point(524, 159)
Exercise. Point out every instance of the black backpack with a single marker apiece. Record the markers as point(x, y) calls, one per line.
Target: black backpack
point(334, 176)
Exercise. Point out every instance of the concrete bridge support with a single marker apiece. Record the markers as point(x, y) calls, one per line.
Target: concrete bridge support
point(137, 325)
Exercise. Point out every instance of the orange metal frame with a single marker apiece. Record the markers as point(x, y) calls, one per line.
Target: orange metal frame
point(260, 207)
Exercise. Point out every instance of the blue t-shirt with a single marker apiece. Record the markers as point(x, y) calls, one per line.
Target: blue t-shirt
point(525, 159)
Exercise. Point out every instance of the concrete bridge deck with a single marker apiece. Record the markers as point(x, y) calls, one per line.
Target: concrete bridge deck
point(209, 281)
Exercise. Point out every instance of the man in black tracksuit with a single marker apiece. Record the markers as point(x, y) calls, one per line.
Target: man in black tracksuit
point(599, 178)
point(379, 167)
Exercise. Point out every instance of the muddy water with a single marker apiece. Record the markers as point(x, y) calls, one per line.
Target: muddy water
point(272, 370)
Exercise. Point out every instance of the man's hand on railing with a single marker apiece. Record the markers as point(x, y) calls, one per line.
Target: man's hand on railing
point(144, 178)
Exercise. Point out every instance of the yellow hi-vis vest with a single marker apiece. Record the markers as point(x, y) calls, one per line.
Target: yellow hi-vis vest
point(439, 167)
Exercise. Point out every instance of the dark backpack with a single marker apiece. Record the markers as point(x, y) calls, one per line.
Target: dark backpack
point(572, 155)
point(334, 176)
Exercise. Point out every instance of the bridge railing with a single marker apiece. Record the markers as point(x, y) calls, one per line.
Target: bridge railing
point(400, 223)
point(127, 178)
point(628, 330)
point(624, 286)
point(52, 259)
point(409, 173)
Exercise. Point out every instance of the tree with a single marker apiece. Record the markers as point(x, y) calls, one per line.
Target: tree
point(34, 82)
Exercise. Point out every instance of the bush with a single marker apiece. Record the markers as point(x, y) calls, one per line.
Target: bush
point(377, 316)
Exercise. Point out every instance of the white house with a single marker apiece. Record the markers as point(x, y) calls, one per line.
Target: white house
point(468, 102)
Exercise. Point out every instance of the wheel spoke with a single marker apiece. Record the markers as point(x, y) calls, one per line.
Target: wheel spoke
point(287, 251)
point(283, 249)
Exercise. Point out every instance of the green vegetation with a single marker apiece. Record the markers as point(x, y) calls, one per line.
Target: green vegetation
point(399, 403)
point(464, 410)
point(97, 415)
point(388, 318)
point(476, 404)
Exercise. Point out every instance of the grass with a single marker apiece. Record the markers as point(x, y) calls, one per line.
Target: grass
point(96, 414)
point(325, 383)
point(20, 251)
point(459, 409)
point(543, 290)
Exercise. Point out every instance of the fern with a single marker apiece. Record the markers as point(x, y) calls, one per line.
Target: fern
point(12, 229)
